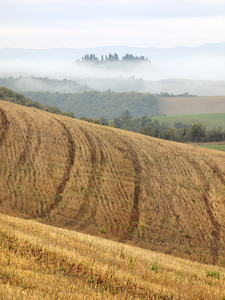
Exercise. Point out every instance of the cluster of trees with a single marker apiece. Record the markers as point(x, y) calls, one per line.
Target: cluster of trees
point(114, 57)
point(10, 96)
point(185, 133)
point(93, 57)
point(165, 94)
point(131, 57)
point(89, 57)
point(180, 132)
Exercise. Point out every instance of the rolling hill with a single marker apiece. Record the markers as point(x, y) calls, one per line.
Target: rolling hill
point(123, 186)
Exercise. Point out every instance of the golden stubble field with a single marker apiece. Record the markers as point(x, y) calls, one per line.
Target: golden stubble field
point(39, 261)
point(138, 190)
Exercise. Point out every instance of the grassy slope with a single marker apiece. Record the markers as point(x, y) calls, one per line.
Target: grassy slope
point(156, 194)
point(43, 262)
point(214, 147)
point(210, 120)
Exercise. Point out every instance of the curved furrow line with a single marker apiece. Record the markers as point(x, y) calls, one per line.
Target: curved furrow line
point(217, 172)
point(154, 144)
point(27, 136)
point(4, 127)
point(134, 216)
point(216, 232)
point(85, 209)
point(137, 191)
point(105, 204)
point(68, 168)
point(113, 171)
point(217, 227)
point(4, 122)
point(30, 139)
point(114, 218)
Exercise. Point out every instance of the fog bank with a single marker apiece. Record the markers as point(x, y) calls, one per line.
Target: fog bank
point(191, 65)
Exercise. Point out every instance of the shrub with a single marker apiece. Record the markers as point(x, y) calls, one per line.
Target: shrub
point(214, 274)
point(155, 267)
point(103, 230)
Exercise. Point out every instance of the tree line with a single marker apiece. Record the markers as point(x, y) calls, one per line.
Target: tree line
point(166, 94)
point(114, 57)
point(180, 132)
point(10, 96)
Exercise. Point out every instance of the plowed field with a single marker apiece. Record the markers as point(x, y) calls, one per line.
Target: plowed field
point(156, 194)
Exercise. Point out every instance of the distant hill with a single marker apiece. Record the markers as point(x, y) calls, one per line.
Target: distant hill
point(115, 84)
point(107, 104)
point(97, 104)
point(32, 83)
point(159, 195)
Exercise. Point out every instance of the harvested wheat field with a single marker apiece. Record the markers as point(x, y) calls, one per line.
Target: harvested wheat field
point(39, 261)
point(123, 186)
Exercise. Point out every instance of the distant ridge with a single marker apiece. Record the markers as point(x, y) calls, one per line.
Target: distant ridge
point(71, 54)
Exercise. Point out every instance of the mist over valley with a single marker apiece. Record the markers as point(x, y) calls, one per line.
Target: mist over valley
point(197, 70)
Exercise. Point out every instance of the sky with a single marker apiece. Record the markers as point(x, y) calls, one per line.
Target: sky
point(45, 24)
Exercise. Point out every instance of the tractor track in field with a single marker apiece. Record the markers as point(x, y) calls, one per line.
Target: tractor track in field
point(216, 232)
point(25, 152)
point(28, 153)
point(28, 141)
point(85, 208)
point(217, 227)
point(135, 214)
point(4, 125)
point(66, 176)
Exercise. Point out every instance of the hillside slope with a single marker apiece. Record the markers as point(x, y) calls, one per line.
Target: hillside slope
point(156, 194)
point(39, 261)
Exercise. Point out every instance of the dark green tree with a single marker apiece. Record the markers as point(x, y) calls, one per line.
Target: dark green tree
point(198, 132)
point(126, 115)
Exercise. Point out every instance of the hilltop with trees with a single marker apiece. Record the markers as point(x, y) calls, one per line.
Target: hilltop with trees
point(114, 58)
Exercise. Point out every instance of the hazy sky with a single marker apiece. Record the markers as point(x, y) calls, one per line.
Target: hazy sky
point(92, 23)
